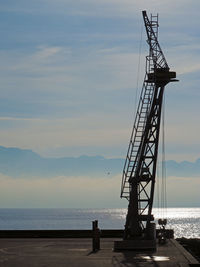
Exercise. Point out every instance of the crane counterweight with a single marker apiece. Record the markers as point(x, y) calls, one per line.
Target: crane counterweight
point(161, 77)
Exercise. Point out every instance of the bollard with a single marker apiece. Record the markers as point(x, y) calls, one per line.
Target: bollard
point(95, 236)
point(162, 234)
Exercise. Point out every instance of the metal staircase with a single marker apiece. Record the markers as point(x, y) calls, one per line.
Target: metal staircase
point(136, 136)
point(154, 61)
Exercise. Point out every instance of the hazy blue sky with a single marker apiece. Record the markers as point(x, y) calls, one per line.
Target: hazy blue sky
point(68, 75)
point(68, 72)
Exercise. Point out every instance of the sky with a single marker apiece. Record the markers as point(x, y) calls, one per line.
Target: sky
point(69, 76)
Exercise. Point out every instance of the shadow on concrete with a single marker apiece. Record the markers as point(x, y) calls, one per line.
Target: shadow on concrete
point(92, 252)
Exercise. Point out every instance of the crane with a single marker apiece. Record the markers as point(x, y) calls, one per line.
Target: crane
point(138, 179)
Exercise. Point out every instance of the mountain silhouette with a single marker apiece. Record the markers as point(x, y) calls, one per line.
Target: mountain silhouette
point(25, 163)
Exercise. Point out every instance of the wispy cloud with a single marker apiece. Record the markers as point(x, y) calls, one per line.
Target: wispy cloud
point(60, 192)
point(97, 7)
point(62, 61)
point(83, 131)
point(189, 187)
point(21, 119)
point(83, 192)
point(46, 52)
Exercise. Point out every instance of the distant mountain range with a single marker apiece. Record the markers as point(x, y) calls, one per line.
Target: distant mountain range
point(18, 162)
point(26, 163)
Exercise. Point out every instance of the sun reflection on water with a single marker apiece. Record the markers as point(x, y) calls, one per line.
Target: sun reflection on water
point(184, 221)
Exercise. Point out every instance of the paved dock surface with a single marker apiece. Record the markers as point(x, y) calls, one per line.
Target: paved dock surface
point(77, 252)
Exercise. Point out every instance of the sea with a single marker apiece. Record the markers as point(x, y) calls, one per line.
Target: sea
point(184, 221)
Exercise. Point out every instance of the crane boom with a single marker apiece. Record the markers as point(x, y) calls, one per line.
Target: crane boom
point(152, 35)
point(138, 180)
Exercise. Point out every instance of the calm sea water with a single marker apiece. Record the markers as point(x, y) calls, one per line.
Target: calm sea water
point(184, 221)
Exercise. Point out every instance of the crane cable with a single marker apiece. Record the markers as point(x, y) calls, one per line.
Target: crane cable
point(138, 69)
point(163, 167)
point(161, 171)
point(158, 187)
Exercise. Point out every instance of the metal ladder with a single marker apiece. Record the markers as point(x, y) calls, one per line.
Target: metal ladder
point(140, 119)
point(136, 137)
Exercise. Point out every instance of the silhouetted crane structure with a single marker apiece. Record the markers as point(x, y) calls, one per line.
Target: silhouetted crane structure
point(138, 180)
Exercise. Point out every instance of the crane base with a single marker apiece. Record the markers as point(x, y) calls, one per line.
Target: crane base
point(135, 245)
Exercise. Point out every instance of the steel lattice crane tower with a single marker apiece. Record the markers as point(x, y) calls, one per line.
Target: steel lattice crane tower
point(138, 180)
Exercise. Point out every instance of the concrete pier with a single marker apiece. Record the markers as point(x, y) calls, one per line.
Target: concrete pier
point(76, 252)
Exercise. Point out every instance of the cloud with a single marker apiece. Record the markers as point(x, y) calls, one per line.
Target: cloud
point(51, 82)
point(65, 192)
point(89, 130)
point(185, 58)
point(98, 8)
point(84, 192)
point(59, 64)
point(70, 59)
point(46, 52)
point(39, 61)
point(183, 191)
